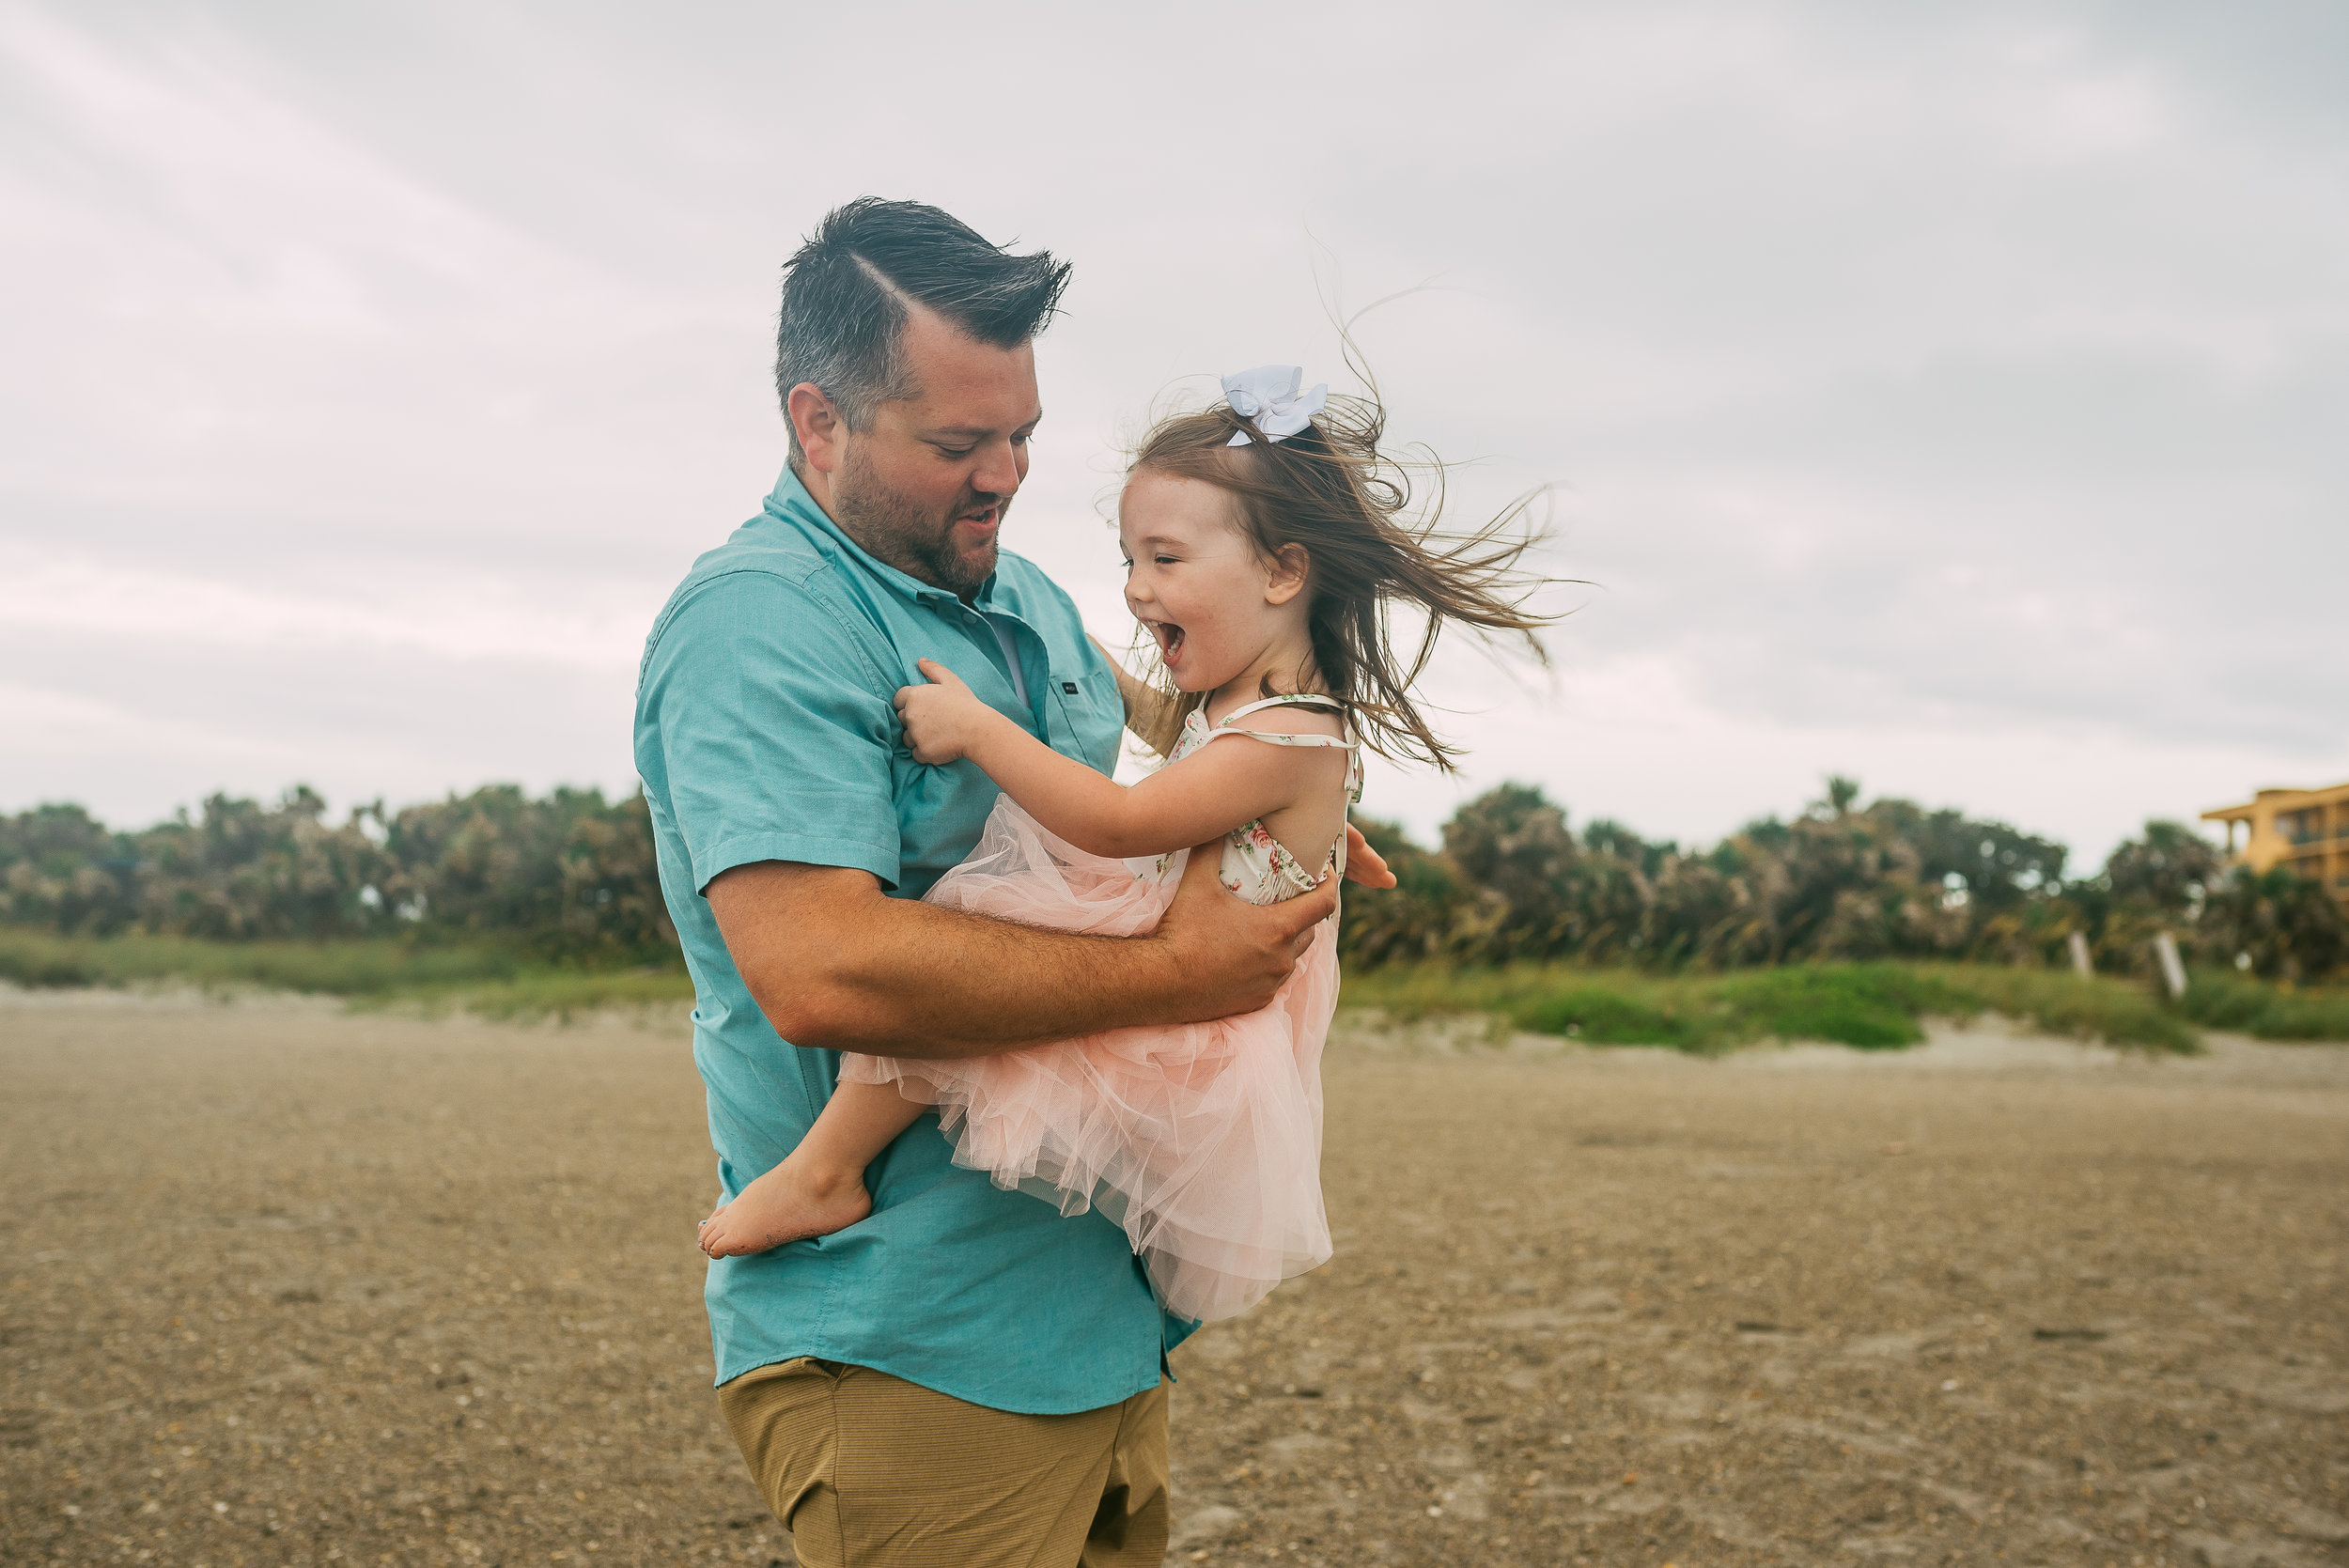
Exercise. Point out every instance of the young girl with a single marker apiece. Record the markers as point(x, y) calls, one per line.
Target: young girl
point(1264, 552)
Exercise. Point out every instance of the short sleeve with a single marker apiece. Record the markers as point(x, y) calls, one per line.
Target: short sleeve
point(769, 730)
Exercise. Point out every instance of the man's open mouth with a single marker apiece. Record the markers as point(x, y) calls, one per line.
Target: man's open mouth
point(1169, 638)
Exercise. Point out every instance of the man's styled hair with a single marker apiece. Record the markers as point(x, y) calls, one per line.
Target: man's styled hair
point(844, 293)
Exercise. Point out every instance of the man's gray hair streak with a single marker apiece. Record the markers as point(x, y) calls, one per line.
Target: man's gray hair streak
point(844, 293)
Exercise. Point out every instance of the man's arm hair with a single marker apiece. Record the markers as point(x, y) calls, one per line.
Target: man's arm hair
point(834, 962)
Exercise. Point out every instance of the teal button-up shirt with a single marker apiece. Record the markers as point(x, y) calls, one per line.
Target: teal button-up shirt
point(766, 731)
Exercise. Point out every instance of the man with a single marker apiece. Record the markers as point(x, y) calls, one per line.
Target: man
point(966, 1377)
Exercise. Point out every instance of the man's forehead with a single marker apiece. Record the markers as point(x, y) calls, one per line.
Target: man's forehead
point(961, 384)
point(968, 408)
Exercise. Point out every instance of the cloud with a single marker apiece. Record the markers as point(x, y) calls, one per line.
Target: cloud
point(1944, 396)
point(459, 622)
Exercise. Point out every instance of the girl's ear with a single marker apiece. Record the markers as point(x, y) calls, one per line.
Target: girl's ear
point(1285, 578)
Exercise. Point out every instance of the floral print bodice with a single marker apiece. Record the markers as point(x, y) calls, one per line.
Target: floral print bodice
point(1256, 864)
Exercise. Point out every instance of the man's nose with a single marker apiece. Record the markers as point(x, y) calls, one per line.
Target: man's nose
point(998, 473)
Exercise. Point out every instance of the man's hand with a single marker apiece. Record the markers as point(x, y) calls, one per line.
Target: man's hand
point(1362, 862)
point(944, 720)
point(1234, 953)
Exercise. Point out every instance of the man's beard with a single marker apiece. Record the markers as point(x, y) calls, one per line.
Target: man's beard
point(897, 528)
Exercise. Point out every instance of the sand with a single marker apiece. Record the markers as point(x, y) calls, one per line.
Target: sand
point(286, 1284)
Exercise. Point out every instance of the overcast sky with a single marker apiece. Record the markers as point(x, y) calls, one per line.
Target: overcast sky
point(1950, 397)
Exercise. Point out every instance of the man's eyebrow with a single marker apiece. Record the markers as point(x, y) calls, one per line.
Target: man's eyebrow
point(972, 432)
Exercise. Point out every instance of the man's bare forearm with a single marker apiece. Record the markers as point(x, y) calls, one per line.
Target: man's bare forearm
point(845, 966)
point(931, 983)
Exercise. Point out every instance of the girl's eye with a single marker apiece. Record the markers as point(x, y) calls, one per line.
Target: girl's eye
point(1162, 559)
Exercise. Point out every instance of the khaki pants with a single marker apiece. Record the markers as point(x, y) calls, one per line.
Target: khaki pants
point(867, 1470)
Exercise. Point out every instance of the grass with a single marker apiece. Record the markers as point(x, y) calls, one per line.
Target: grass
point(494, 980)
point(562, 994)
point(2218, 1000)
point(1873, 1006)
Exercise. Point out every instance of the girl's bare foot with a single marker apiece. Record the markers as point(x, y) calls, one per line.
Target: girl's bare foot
point(791, 1202)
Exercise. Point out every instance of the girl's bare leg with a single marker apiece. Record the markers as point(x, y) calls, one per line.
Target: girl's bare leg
point(819, 1186)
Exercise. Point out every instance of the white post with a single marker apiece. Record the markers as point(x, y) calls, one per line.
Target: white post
point(2081, 965)
point(2173, 971)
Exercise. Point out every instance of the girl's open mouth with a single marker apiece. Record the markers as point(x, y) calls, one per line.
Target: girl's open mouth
point(1169, 638)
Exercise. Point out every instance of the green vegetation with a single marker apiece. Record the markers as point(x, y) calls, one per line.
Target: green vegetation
point(568, 878)
point(1841, 882)
point(1873, 1006)
point(562, 994)
point(2218, 1000)
point(1848, 922)
point(499, 980)
point(354, 968)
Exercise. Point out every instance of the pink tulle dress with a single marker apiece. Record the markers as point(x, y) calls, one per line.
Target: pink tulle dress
point(1203, 1140)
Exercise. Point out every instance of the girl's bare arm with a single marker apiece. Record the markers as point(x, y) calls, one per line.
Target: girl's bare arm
point(1203, 796)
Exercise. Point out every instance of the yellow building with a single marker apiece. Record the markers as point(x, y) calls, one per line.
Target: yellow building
point(2307, 830)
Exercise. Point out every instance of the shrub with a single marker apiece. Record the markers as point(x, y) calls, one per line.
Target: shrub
point(2218, 1000)
point(1872, 1006)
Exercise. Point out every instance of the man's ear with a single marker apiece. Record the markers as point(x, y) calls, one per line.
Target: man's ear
point(1290, 565)
point(816, 421)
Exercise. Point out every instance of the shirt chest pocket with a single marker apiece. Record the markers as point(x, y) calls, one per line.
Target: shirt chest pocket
point(1088, 714)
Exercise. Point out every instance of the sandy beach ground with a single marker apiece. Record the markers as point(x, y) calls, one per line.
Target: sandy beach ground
point(286, 1284)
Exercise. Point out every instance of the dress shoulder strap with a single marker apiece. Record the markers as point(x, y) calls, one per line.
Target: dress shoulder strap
point(1282, 737)
point(1348, 741)
point(1292, 699)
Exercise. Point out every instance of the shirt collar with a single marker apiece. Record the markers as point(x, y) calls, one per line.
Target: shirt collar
point(791, 502)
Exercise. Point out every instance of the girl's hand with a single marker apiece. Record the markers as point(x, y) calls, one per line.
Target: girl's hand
point(943, 721)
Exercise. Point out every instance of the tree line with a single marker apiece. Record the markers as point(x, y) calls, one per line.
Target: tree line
point(1839, 881)
point(571, 876)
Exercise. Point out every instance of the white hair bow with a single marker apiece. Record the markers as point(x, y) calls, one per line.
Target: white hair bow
point(1268, 395)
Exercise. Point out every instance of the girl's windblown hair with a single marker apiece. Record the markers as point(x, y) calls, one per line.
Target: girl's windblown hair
point(1330, 489)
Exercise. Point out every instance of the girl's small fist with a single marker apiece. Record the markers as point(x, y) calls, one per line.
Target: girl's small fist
point(940, 720)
